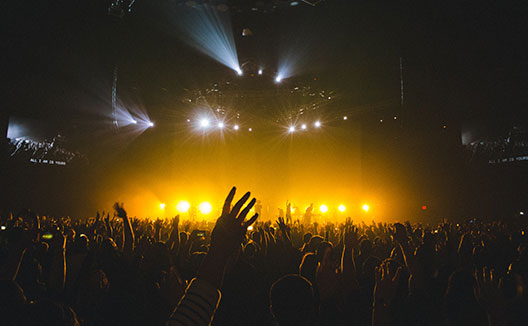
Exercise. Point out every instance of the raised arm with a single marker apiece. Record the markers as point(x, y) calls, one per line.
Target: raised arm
point(128, 246)
point(201, 299)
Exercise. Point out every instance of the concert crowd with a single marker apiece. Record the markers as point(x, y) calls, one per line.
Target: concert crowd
point(113, 269)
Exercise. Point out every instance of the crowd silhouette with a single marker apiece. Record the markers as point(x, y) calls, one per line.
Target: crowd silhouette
point(118, 270)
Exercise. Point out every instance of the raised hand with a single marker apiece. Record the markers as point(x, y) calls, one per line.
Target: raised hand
point(350, 237)
point(231, 226)
point(488, 292)
point(386, 284)
point(228, 233)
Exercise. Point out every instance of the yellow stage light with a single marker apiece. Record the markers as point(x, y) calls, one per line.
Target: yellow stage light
point(366, 207)
point(183, 206)
point(162, 206)
point(205, 208)
point(341, 208)
point(323, 208)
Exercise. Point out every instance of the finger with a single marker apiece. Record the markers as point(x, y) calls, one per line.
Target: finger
point(239, 204)
point(227, 203)
point(251, 220)
point(246, 210)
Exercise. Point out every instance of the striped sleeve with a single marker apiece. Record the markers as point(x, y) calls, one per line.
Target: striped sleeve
point(197, 306)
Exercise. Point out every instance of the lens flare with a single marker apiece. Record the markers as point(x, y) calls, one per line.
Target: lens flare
point(204, 123)
point(366, 208)
point(323, 208)
point(183, 206)
point(205, 208)
point(221, 125)
point(162, 206)
point(317, 124)
point(291, 129)
point(341, 208)
point(236, 127)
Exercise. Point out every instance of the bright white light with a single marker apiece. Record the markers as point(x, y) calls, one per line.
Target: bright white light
point(260, 71)
point(183, 206)
point(521, 213)
point(133, 121)
point(341, 208)
point(162, 206)
point(317, 124)
point(205, 208)
point(278, 79)
point(323, 209)
point(236, 127)
point(220, 125)
point(345, 118)
point(150, 124)
point(239, 71)
point(366, 207)
point(303, 127)
point(291, 129)
point(209, 31)
point(250, 129)
point(204, 123)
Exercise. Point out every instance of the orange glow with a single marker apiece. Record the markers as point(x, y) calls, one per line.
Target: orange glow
point(323, 209)
point(341, 208)
point(366, 207)
point(162, 206)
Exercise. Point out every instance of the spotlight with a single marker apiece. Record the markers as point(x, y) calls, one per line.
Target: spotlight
point(323, 208)
point(150, 124)
point(303, 127)
point(239, 71)
point(317, 124)
point(260, 71)
point(250, 129)
point(521, 213)
point(236, 127)
point(366, 207)
point(341, 208)
point(205, 208)
point(204, 123)
point(345, 118)
point(183, 206)
point(424, 207)
point(133, 121)
point(162, 206)
point(291, 129)
point(278, 79)
point(221, 125)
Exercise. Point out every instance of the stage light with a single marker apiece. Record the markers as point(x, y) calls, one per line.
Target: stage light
point(366, 207)
point(205, 208)
point(250, 129)
point(133, 121)
point(395, 117)
point(317, 124)
point(150, 124)
point(303, 127)
point(209, 31)
point(341, 208)
point(323, 208)
point(221, 125)
point(291, 129)
point(345, 118)
point(278, 79)
point(236, 127)
point(204, 123)
point(260, 71)
point(183, 206)
point(250, 228)
point(162, 206)
point(521, 213)
point(239, 71)
point(294, 3)
point(424, 207)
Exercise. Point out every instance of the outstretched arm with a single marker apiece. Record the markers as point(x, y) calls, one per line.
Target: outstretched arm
point(198, 305)
point(128, 246)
